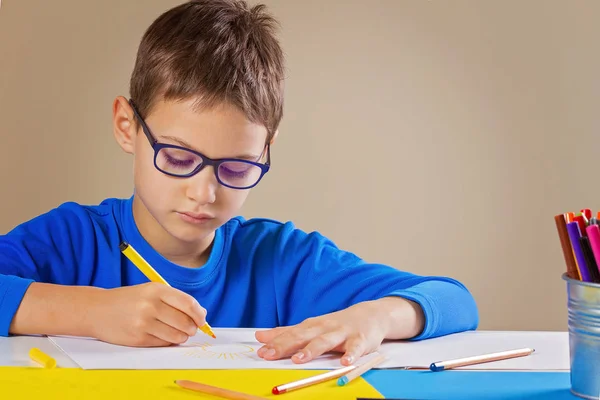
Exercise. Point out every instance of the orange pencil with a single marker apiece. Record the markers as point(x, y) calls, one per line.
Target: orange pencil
point(216, 391)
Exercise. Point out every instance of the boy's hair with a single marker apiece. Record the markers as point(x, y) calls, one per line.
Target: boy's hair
point(213, 51)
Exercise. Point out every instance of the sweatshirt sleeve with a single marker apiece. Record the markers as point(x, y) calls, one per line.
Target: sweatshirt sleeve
point(47, 249)
point(315, 277)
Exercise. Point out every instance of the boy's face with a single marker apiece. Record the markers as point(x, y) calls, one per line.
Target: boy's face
point(187, 209)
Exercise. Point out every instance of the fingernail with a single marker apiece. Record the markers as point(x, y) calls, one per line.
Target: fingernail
point(270, 353)
point(349, 359)
point(299, 355)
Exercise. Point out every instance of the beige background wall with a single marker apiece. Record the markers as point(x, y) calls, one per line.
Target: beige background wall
point(437, 136)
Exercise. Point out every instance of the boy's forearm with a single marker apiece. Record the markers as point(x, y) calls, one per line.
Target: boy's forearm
point(406, 318)
point(55, 310)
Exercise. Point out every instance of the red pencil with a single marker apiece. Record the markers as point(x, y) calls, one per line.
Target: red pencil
point(582, 222)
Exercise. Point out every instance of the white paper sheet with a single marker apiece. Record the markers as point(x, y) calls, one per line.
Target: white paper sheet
point(236, 349)
point(551, 350)
point(232, 349)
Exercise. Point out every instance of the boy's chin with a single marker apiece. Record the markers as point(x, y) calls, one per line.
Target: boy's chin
point(192, 233)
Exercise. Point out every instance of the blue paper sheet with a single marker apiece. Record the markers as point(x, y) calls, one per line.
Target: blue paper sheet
point(484, 385)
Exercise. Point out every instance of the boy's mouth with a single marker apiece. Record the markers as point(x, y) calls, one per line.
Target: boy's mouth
point(195, 218)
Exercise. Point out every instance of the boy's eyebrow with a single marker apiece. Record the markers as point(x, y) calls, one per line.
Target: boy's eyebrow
point(249, 157)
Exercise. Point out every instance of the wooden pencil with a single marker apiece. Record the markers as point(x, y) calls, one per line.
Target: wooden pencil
point(216, 391)
point(565, 243)
point(361, 369)
point(484, 358)
point(313, 380)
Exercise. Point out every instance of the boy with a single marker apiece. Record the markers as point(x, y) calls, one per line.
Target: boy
point(206, 101)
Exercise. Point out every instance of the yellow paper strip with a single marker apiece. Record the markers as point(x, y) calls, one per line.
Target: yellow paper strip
point(77, 384)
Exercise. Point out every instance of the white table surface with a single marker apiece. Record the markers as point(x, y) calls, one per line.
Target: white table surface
point(14, 352)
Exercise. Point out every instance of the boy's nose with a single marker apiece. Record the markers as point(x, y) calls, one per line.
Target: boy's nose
point(202, 187)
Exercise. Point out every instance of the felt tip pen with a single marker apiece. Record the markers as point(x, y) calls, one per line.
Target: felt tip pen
point(154, 276)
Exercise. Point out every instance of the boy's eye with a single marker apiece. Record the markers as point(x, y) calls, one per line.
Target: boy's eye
point(239, 173)
point(234, 169)
point(173, 159)
point(179, 163)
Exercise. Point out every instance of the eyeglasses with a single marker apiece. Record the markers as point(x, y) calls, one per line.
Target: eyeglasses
point(182, 162)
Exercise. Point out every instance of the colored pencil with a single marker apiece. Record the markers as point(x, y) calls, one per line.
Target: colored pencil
point(590, 261)
point(313, 380)
point(484, 358)
point(587, 213)
point(594, 237)
point(574, 235)
point(216, 391)
point(582, 222)
point(150, 273)
point(358, 371)
point(565, 243)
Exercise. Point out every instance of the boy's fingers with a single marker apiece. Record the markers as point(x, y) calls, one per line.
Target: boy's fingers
point(355, 348)
point(177, 319)
point(150, 341)
point(184, 303)
point(270, 334)
point(289, 342)
point(319, 345)
point(167, 333)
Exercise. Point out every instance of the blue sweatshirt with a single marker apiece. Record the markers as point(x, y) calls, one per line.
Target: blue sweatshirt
point(260, 273)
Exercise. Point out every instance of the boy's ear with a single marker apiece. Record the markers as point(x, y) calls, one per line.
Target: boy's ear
point(124, 126)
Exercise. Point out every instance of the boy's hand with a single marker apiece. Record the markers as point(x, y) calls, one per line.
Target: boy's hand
point(150, 314)
point(355, 331)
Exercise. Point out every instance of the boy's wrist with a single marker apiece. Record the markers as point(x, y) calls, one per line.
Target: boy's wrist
point(90, 319)
point(84, 310)
point(404, 319)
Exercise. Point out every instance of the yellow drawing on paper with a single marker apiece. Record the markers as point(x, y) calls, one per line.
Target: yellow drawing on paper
point(220, 351)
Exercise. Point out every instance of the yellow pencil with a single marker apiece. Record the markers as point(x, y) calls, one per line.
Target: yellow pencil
point(154, 276)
